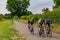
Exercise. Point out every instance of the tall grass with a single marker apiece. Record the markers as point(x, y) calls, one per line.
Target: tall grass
point(7, 32)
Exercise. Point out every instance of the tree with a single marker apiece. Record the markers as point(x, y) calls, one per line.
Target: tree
point(45, 10)
point(7, 16)
point(1, 16)
point(57, 3)
point(29, 13)
point(17, 7)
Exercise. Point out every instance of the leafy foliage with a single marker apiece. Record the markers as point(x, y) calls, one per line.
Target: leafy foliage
point(29, 13)
point(1, 17)
point(54, 15)
point(25, 17)
point(57, 3)
point(7, 16)
point(17, 7)
point(45, 10)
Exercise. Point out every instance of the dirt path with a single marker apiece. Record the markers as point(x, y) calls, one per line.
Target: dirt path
point(21, 27)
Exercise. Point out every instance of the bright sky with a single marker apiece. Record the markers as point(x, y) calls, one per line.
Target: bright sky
point(35, 5)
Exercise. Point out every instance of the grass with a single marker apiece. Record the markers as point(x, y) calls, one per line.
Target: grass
point(56, 28)
point(7, 32)
point(23, 21)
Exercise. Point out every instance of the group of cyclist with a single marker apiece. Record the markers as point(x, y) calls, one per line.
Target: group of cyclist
point(31, 26)
point(42, 26)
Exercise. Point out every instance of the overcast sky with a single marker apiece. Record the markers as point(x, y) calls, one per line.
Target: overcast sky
point(35, 5)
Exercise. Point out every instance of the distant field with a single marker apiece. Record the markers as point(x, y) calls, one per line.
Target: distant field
point(7, 32)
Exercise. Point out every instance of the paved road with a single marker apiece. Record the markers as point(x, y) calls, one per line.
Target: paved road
point(21, 27)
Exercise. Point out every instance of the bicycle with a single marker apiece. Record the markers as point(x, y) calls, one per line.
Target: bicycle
point(32, 29)
point(41, 30)
point(49, 31)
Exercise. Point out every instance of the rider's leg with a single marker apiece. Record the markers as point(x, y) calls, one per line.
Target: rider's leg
point(49, 28)
point(50, 31)
point(43, 31)
point(32, 29)
point(40, 30)
point(29, 26)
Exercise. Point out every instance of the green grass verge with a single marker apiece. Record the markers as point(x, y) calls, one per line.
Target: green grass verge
point(7, 32)
point(56, 28)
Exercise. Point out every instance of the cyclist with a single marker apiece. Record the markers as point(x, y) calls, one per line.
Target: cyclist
point(32, 26)
point(48, 22)
point(41, 21)
point(29, 24)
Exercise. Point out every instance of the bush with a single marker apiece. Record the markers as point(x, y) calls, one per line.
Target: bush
point(54, 15)
point(25, 17)
point(1, 17)
point(36, 18)
point(15, 17)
